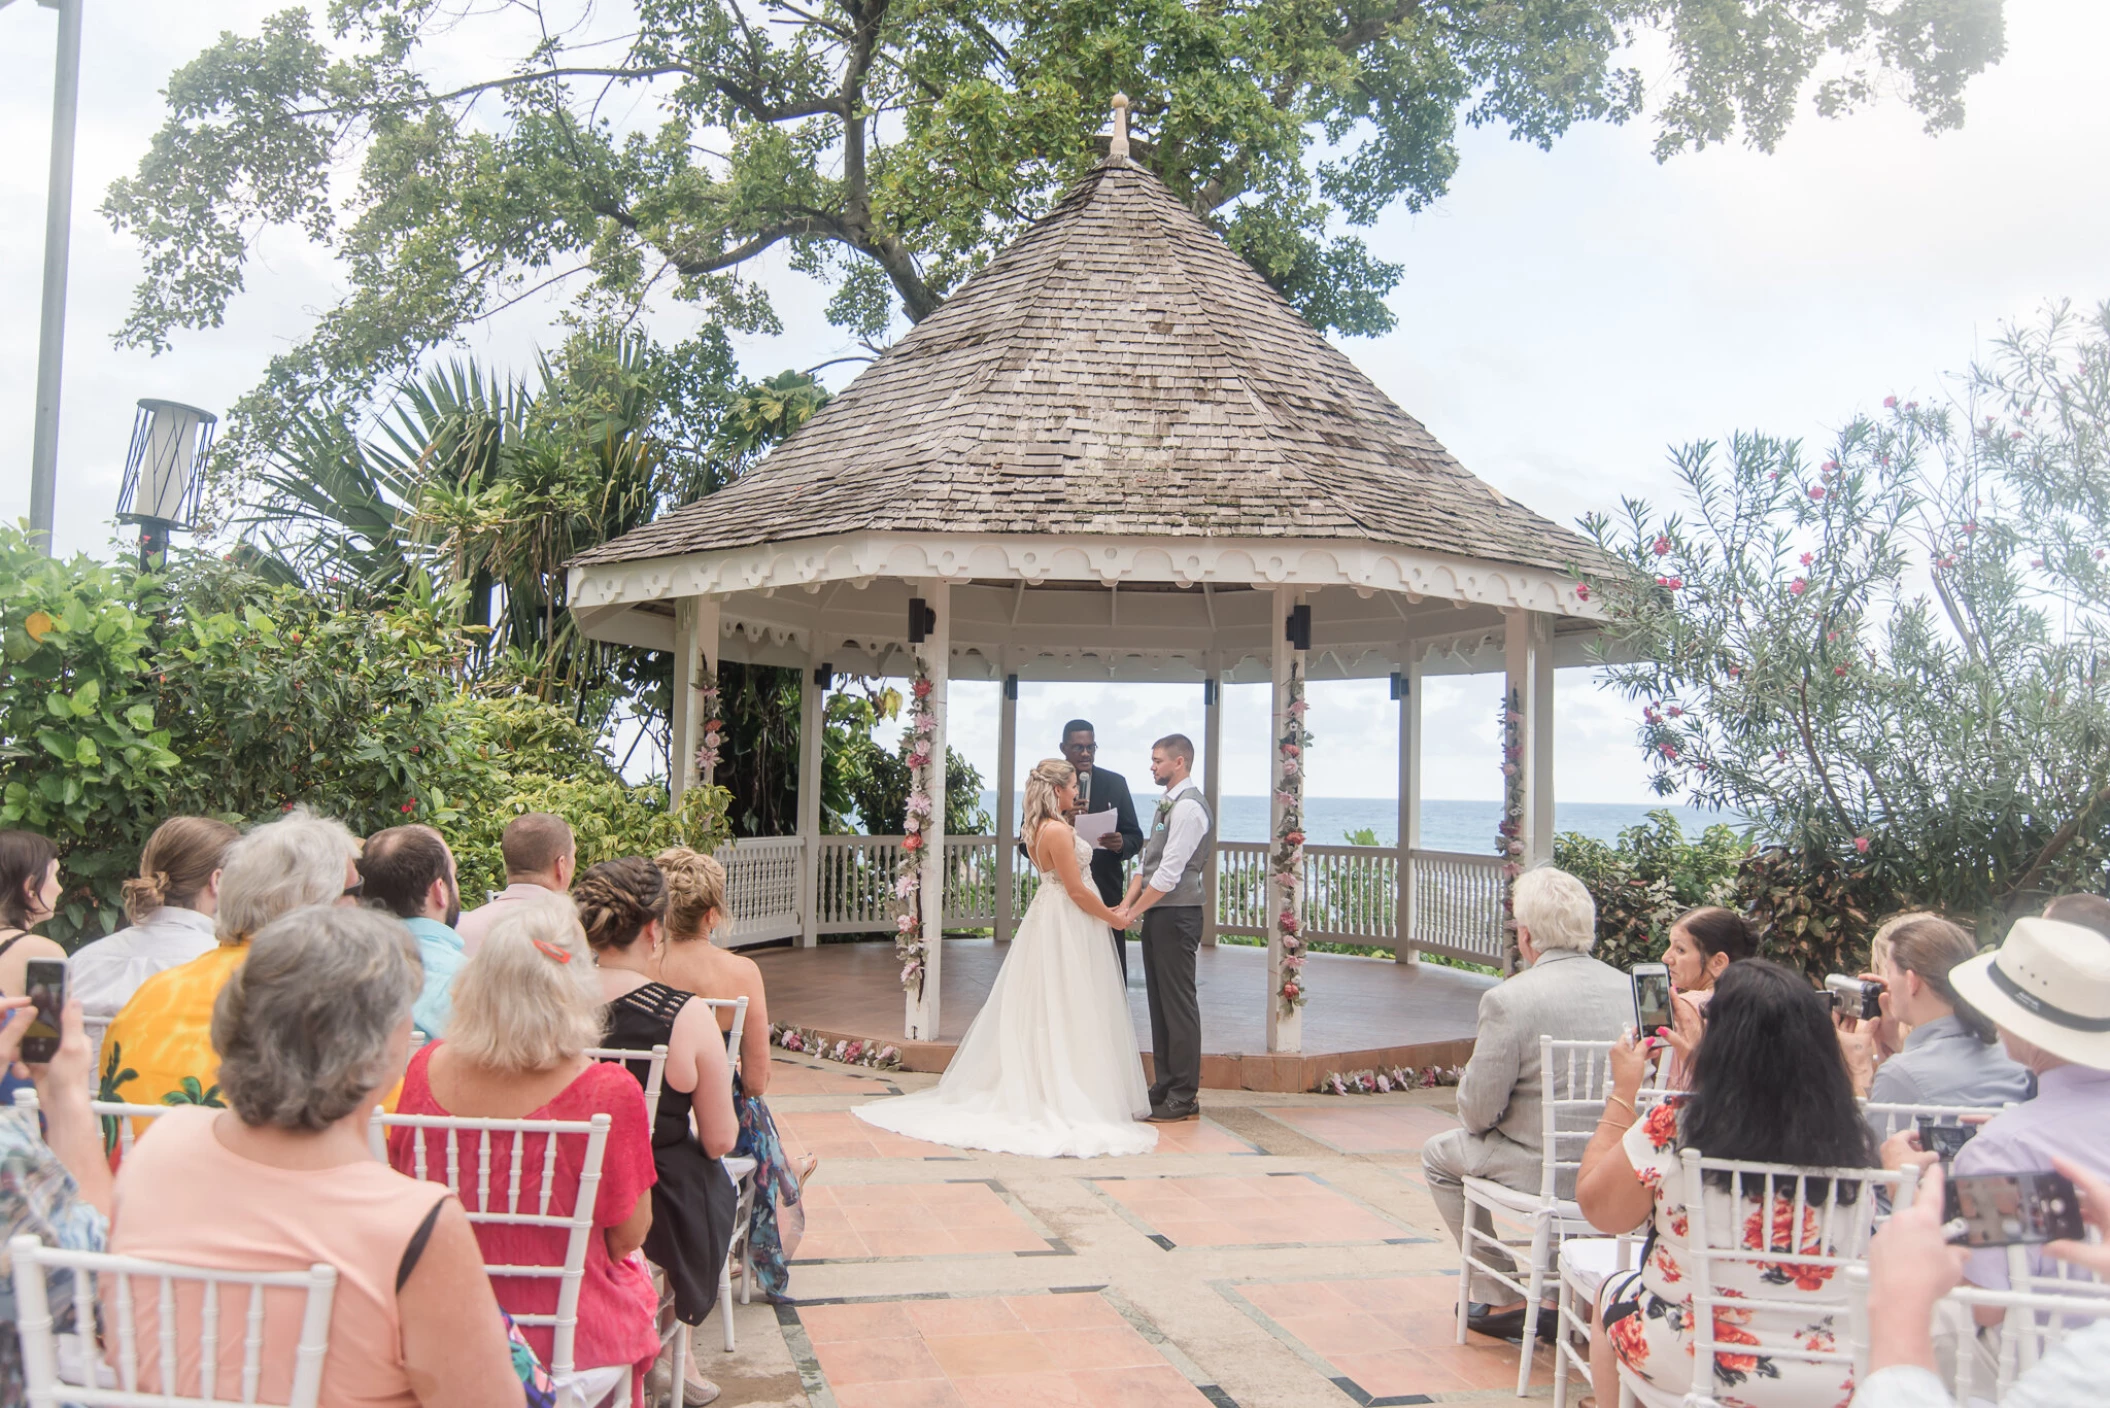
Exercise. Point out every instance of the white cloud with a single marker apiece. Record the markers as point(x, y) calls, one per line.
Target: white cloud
point(1564, 317)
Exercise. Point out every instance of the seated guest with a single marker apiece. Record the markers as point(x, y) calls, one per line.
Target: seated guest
point(1952, 1055)
point(1912, 1265)
point(54, 1186)
point(2088, 911)
point(1703, 942)
point(692, 963)
point(2047, 990)
point(159, 1050)
point(409, 872)
point(623, 906)
point(1768, 1086)
point(29, 895)
point(170, 904)
point(526, 1008)
point(1869, 1043)
point(540, 856)
point(1562, 993)
point(310, 1028)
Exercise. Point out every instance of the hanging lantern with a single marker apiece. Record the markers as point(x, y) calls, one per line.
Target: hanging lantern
point(163, 471)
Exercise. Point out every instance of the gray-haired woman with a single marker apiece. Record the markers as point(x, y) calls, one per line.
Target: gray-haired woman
point(310, 1031)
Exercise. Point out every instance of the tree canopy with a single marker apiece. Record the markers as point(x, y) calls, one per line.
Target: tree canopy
point(890, 146)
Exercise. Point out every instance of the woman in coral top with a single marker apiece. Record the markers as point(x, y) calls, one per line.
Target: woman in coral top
point(526, 1008)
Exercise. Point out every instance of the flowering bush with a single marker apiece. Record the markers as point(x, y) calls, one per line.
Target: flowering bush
point(1286, 858)
point(911, 945)
point(1891, 661)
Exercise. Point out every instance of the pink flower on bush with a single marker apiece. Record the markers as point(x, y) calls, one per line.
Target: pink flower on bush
point(1861, 844)
point(1666, 750)
point(1662, 546)
point(1969, 529)
point(1676, 712)
point(1816, 491)
point(1798, 587)
point(1838, 669)
point(1582, 590)
point(1808, 558)
point(1890, 403)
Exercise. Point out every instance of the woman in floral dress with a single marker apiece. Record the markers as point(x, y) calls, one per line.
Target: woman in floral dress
point(1769, 1086)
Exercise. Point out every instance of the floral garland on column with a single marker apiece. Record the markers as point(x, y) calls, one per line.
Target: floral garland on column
point(910, 944)
point(707, 702)
point(1287, 857)
point(1509, 839)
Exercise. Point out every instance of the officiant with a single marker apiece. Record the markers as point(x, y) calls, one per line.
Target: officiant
point(1100, 790)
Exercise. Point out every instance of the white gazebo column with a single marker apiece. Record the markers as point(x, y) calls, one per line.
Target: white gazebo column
point(1285, 1025)
point(922, 1023)
point(1520, 788)
point(1409, 685)
point(1212, 785)
point(1538, 818)
point(1006, 808)
point(813, 744)
point(695, 661)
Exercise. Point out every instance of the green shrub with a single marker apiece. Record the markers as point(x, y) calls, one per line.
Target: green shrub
point(1646, 879)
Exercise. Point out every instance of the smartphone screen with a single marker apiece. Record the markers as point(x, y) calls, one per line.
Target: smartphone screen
point(1651, 999)
point(1997, 1209)
point(1944, 1140)
point(46, 980)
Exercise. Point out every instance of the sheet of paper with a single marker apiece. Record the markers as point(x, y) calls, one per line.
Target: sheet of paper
point(1093, 825)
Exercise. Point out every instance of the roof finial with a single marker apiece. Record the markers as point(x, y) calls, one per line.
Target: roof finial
point(1117, 149)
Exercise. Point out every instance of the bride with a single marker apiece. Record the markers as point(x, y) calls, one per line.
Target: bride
point(1049, 1066)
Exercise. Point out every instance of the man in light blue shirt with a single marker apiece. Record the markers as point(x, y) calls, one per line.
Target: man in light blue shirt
point(408, 871)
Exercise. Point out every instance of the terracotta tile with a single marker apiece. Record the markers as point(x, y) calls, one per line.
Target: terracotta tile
point(871, 1321)
point(895, 1217)
point(1064, 1312)
point(1285, 1299)
point(963, 1356)
point(875, 1361)
point(1388, 1373)
point(976, 1315)
point(832, 1247)
point(1157, 1386)
point(1016, 1238)
point(1045, 1390)
point(1113, 1348)
point(1334, 1335)
point(923, 1242)
point(901, 1393)
point(993, 1213)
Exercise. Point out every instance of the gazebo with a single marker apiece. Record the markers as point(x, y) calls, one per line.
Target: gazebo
point(1115, 454)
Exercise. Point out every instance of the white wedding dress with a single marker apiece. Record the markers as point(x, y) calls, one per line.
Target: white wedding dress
point(1049, 1066)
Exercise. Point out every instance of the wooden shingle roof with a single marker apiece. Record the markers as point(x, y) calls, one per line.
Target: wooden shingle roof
point(1117, 369)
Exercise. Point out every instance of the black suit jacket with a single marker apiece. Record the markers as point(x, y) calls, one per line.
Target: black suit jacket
point(1110, 789)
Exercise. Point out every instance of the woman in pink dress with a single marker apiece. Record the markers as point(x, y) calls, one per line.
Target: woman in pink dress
point(526, 1008)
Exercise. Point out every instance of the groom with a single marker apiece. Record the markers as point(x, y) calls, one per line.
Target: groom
point(1167, 894)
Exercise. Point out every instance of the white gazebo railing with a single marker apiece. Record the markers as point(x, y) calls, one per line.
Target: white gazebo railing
point(1350, 891)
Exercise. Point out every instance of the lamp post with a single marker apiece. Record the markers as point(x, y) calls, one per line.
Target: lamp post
point(58, 229)
point(160, 491)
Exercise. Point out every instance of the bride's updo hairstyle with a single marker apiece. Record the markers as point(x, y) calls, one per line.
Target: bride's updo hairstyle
point(1041, 802)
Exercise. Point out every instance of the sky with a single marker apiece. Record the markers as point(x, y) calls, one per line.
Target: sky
point(1565, 318)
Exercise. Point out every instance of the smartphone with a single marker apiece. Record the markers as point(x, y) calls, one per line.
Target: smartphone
point(46, 980)
point(1651, 999)
point(1998, 1209)
point(1944, 1139)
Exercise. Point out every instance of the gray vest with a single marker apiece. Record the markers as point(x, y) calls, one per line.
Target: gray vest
point(1188, 892)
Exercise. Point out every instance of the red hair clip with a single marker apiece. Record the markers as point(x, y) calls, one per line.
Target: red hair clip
point(550, 950)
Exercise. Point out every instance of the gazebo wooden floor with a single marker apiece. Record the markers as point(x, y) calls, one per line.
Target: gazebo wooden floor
point(1364, 1012)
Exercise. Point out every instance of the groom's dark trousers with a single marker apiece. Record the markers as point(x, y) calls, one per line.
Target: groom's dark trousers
point(1171, 935)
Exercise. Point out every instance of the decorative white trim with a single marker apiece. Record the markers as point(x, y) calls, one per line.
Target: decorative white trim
point(960, 558)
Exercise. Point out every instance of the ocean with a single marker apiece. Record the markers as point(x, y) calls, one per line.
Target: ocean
point(1446, 825)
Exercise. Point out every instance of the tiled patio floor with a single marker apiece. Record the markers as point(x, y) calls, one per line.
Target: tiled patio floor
point(1278, 1253)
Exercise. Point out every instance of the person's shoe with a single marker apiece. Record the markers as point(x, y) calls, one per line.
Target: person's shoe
point(1495, 1324)
point(1167, 1114)
point(696, 1393)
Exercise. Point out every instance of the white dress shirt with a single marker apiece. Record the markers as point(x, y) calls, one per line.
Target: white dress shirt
point(105, 974)
point(1184, 830)
point(2072, 1372)
point(475, 923)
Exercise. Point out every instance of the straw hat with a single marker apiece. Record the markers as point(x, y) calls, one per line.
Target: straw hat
point(2049, 984)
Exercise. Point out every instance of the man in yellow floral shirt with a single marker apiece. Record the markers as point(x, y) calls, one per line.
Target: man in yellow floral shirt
point(158, 1049)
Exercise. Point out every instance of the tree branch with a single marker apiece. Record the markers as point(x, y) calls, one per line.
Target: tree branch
point(750, 100)
point(1370, 30)
point(2060, 840)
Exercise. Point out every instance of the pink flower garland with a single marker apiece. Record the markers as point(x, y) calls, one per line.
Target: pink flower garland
point(707, 701)
point(910, 945)
point(1287, 857)
point(1509, 840)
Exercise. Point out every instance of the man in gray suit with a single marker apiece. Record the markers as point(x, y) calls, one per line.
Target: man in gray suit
point(1564, 994)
